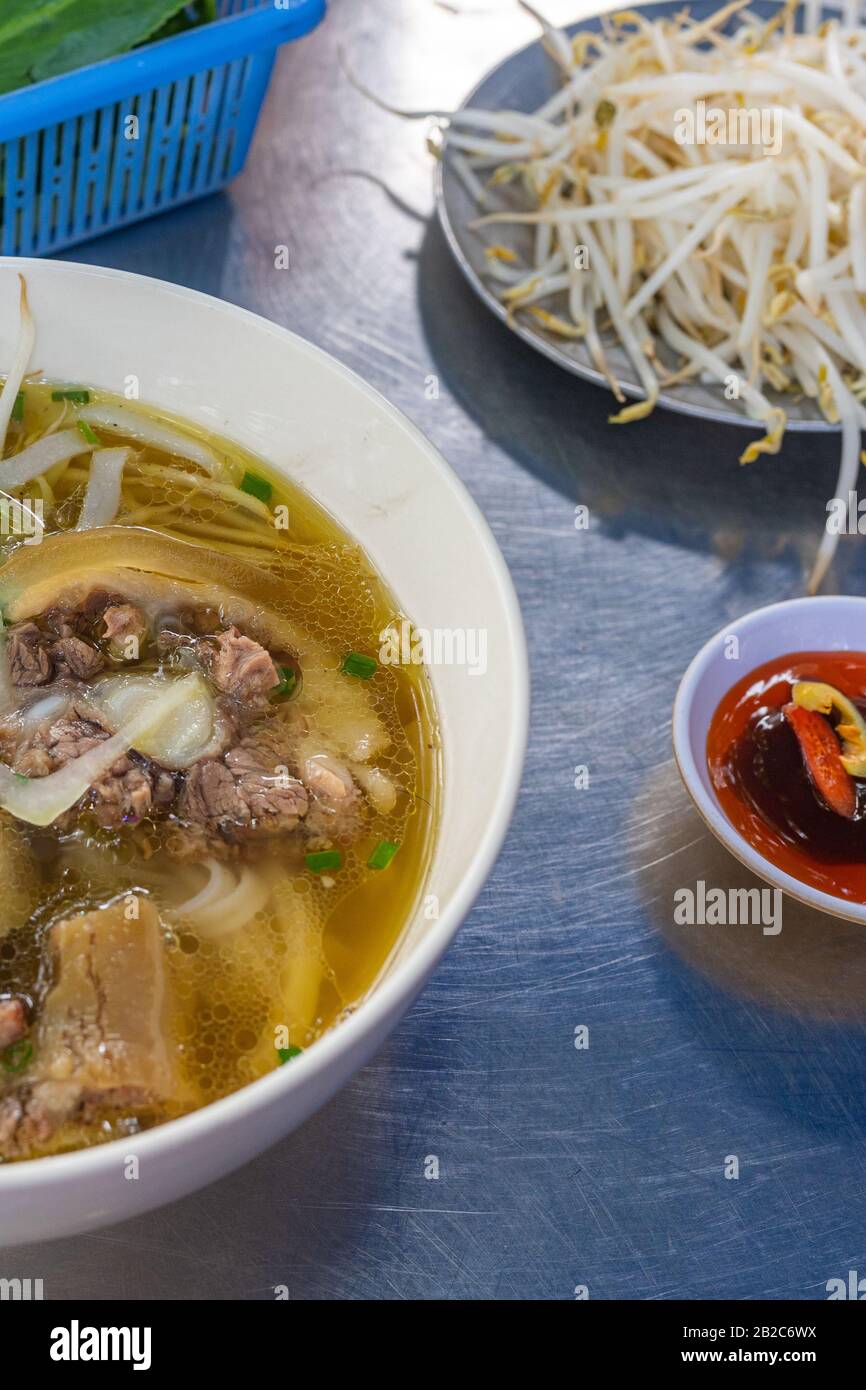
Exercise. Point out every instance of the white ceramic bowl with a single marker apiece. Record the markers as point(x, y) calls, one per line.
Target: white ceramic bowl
point(831, 624)
point(317, 423)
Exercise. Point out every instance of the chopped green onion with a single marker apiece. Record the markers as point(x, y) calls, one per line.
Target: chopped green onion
point(79, 396)
point(17, 1055)
point(286, 1054)
point(22, 777)
point(382, 855)
point(18, 407)
point(357, 664)
point(323, 860)
point(288, 681)
point(86, 432)
point(256, 486)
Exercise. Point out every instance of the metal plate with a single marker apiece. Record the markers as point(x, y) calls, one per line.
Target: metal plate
point(522, 82)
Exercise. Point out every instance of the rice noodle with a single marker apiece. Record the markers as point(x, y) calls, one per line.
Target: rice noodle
point(227, 902)
point(134, 424)
point(102, 498)
point(301, 976)
point(220, 882)
point(227, 491)
point(38, 458)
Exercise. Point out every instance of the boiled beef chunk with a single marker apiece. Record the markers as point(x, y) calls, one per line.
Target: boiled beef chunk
point(132, 787)
point(129, 791)
point(241, 667)
point(13, 1019)
point(122, 621)
point(246, 794)
point(260, 775)
point(37, 658)
point(103, 1023)
point(29, 658)
point(53, 743)
point(76, 659)
point(102, 1041)
point(335, 810)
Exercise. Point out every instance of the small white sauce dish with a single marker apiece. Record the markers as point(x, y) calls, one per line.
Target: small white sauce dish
point(829, 624)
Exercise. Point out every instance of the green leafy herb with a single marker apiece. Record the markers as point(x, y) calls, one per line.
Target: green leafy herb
point(43, 38)
point(286, 1054)
point(357, 664)
point(201, 13)
point(382, 855)
point(256, 487)
point(18, 407)
point(17, 1055)
point(78, 395)
point(288, 682)
point(86, 432)
point(323, 860)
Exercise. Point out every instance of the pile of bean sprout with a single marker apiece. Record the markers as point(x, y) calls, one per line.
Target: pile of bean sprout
point(726, 262)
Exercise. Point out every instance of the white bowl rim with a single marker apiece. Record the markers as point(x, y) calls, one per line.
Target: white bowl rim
point(398, 988)
point(708, 807)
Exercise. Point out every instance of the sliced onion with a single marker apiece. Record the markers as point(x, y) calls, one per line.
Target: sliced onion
point(182, 738)
point(51, 449)
point(102, 498)
point(40, 800)
point(49, 707)
point(134, 424)
point(23, 350)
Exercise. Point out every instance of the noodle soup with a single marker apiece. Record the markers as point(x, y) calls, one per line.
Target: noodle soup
point(218, 803)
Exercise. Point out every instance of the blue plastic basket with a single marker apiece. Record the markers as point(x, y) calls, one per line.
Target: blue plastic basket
point(72, 163)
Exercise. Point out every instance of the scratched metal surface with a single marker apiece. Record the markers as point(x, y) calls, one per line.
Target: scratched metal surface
point(558, 1167)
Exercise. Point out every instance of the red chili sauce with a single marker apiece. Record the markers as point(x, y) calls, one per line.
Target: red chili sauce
point(763, 781)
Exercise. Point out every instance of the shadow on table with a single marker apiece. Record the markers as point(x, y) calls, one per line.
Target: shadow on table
point(187, 245)
point(796, 1026)
point(669, 476)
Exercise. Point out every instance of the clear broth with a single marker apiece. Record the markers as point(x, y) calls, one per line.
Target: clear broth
point(292, 974)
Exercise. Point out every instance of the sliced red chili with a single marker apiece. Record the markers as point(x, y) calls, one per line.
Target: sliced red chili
point(821, 753)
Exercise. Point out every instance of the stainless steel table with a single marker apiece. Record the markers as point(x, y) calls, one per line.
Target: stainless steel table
point(560, 1167)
